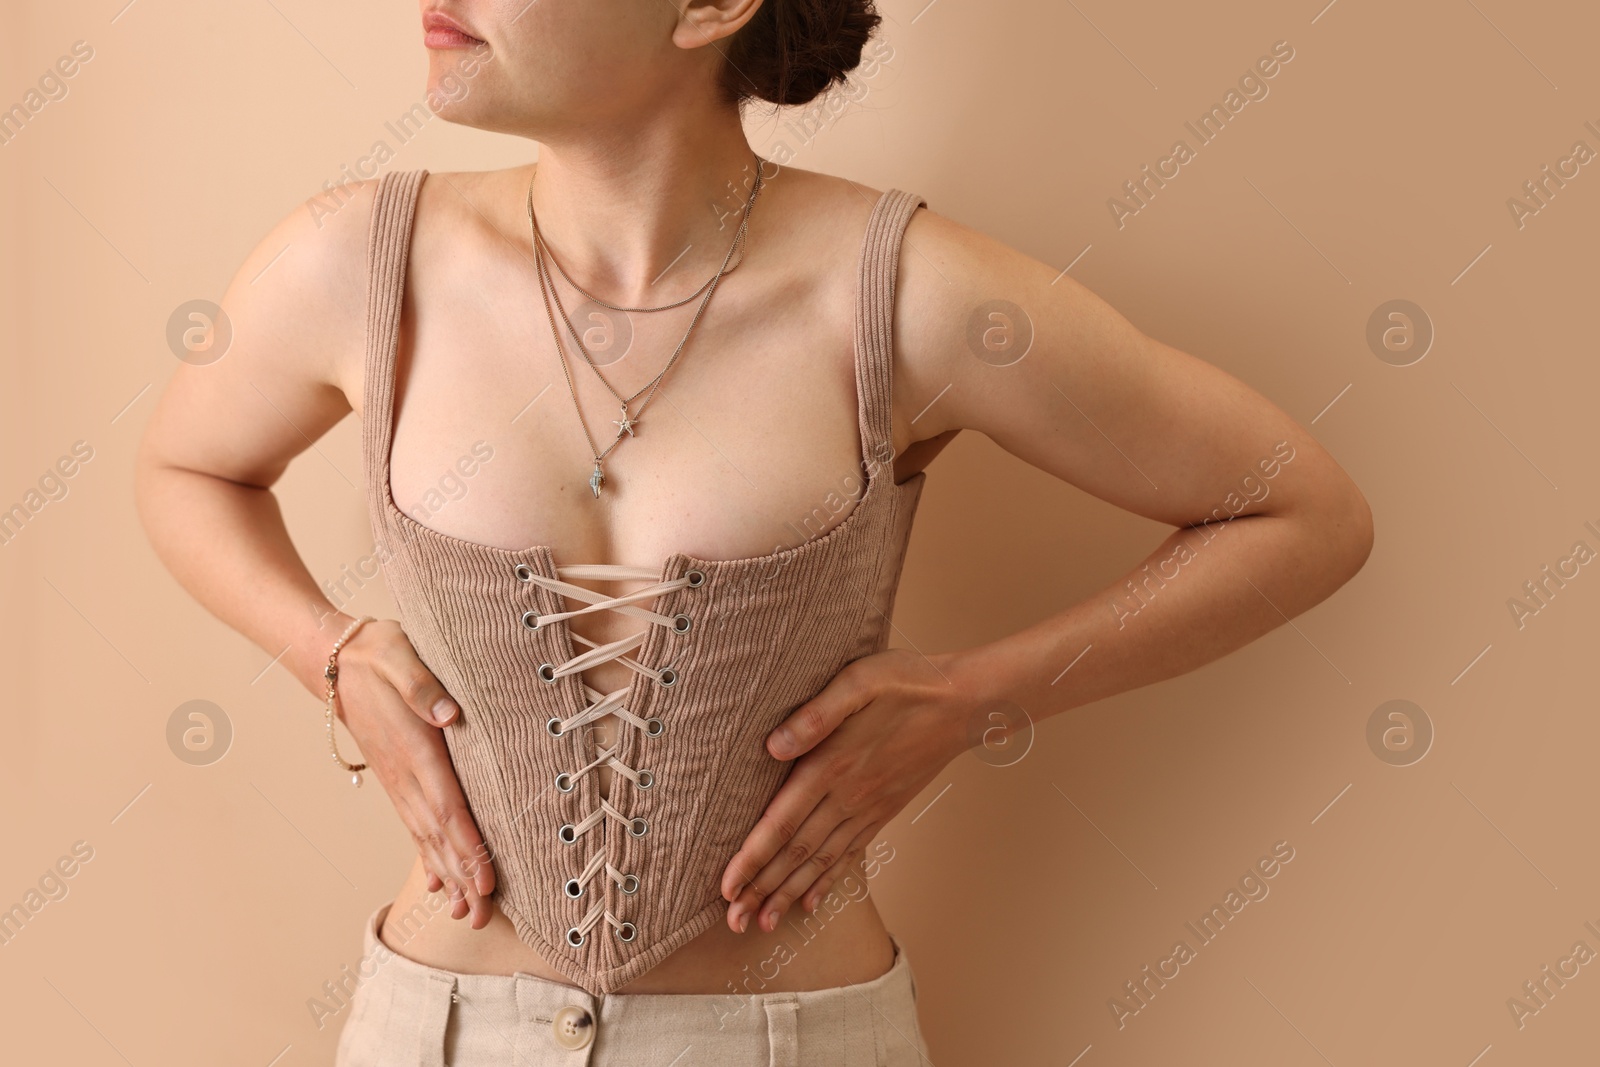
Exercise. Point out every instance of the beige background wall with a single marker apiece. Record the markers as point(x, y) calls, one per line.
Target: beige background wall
point(1420, 898)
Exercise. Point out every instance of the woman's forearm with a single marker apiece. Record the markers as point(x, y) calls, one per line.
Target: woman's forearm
point(227, 544)
point(1204, 592)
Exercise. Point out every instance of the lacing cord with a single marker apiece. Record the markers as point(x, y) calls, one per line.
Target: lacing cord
point(603, 704)
point(628, 883)
point(580, 933)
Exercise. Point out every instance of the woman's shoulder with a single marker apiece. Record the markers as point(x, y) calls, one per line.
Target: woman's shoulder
point(297, 299)
point(928, 233)
point(302, 291)
point(958, 291)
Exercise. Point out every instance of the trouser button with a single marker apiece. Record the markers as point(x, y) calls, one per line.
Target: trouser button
point(573, 1026)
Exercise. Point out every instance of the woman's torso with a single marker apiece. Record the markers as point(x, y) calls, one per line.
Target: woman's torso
point(752, 445)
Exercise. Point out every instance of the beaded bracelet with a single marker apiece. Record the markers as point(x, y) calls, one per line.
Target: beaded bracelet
point(331, 673)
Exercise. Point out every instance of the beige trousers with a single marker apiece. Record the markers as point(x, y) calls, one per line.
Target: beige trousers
point(410, 1015)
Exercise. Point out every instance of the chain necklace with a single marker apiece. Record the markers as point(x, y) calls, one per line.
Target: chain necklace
point(539, 240)
point(739, 239)
point(625, 425)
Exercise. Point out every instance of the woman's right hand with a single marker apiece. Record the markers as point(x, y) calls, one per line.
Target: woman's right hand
point(394, 707)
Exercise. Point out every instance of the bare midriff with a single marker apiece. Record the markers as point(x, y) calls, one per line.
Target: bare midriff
point(842, 943)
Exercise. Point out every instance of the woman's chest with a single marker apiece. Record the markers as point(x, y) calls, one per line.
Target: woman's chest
point(734, 436)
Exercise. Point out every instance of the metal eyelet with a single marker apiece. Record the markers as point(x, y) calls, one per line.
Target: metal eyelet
point(681, 623)
point(523, 572)
point(667, 676)
point(564, 782)
point(654, 727)
point(568, 833)
point(574, 888)
point(575, 938)
point(630, 883)
point(553, 727)
point(696, 578)
point(547, 672)
point(627, 932)
point(530, 619)
point(638, 827)
point(646, 780)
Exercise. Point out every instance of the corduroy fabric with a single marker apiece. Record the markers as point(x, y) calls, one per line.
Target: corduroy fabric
point(769, 633)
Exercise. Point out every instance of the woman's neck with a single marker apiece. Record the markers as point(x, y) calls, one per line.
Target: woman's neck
point(643, 215)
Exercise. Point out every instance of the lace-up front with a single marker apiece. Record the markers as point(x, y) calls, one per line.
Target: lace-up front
point(601, 705)
point(604, 886)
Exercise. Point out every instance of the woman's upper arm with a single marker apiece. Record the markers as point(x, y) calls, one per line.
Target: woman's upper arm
point(1092, 399)
point(296, 309)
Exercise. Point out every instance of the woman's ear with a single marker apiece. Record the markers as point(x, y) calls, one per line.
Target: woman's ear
point(703, 22)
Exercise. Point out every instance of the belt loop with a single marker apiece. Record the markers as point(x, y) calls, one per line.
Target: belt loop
point(433, 1017)
point(783, 1029)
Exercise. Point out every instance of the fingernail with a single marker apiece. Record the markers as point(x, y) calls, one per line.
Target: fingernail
point(442, 711)
point(782, 740)
point(744, 922)
point(772, 918)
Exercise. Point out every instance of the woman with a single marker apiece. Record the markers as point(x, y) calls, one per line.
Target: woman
point(638, 756)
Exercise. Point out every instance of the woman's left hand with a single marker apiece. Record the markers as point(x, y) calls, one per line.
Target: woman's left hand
point(868, 743)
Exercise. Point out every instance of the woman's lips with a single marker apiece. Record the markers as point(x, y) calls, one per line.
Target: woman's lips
point(440, 31)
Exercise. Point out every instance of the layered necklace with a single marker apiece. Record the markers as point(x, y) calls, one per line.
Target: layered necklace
point(628, 424)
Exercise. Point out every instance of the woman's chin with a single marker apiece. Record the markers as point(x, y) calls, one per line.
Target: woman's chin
point(448, 101)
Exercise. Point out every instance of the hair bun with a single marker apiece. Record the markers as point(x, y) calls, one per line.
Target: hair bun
point(792, 51)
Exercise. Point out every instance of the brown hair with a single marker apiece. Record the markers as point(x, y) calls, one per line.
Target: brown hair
point(792, 51)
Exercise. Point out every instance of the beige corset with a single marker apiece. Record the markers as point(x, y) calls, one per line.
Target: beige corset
point(604, 888)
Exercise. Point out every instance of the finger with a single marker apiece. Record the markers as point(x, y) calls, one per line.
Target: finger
point(405, 742)
point(786, 812)
point(468, 852)
point(434, 841)
point(410, 801)
point(476, 903)
point(428, 795)
point(414, 814)
point(424, 694)
point(466, 903)
point(459, 908)
point(855, 858)
point(433, 860)
point(833, 848)
point(441, 791)
point(819, 889)
point(806, 726)
point(800, 850)
point(439, 810)
point(402, 794)
point(813, 898)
